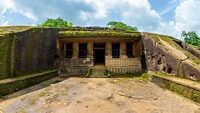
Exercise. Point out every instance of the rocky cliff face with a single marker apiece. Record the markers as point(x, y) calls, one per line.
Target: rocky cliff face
point(26, 51)
point(35, 50)
point(193, 50)
point(162, 53)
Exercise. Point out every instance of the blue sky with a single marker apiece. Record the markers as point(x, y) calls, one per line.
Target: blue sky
point(168, 17)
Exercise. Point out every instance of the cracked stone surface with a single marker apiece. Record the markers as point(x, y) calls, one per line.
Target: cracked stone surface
point(100, 95)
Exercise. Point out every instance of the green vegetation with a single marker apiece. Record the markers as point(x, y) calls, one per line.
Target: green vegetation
point(183, 90)
point(121, 25)
point(174, 85)
point(108, 73)
point(13, 29)
point(171, 41)
point(5, 55)
point(58, 23)
point(145, 77)
point(89, 73)
point(191, 38)
point(8, 86)
point(99, 33)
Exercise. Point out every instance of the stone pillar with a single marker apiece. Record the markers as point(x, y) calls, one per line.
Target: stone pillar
point(61, 49)
point(75, 50)
point(138, 48)
point(65, 49)
point(133, 46)
point(57, 47)
point(123, 50)
point(108, 50)
point(90, 50)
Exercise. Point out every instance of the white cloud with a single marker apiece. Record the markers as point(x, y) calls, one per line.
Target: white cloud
point(187, 18)
point(188, 15)
point(89, 12)
point(98, 12)
point(136, 13)
point(139, 13)
point(4, 5)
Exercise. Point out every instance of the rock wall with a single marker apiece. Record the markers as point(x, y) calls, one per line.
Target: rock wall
point(169, 57)
point(28, 51)
point(5, 52)
point(189, 48)
point(186, 88)
point(12, 85)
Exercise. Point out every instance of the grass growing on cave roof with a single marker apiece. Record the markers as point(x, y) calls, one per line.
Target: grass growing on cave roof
point(172, 42)
point(13, 29)
point(99, 33)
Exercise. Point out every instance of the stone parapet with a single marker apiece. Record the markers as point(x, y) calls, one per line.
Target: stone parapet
point(124, 65)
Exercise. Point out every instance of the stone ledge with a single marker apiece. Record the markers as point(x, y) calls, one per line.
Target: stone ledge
point(187, 88)
point(11, 85)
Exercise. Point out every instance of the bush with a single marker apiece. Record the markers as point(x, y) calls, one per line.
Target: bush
point(59, 22)
point(191, 38)
point(121, 25)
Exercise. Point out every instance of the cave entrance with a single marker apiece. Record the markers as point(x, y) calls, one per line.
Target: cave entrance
point(99, 53)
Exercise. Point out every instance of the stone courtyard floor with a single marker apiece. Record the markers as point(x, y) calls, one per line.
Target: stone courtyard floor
point(100, 95)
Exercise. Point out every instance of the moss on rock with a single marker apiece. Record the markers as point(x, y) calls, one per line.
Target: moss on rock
point(8, 86)
point(184, 91)
point(145, 77)
point(98, 33)
point(13, 29)
point(186, 88)
point(5, 49)
point(25, 50)
point(172, 42)
point(7, 35)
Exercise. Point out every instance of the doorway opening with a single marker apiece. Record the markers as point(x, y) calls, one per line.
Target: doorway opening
point(99, 53)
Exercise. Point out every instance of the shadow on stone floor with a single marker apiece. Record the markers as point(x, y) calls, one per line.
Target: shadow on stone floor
point(34, 88)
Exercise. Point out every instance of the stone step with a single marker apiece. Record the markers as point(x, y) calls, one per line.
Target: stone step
point(185, 87)
point(12, 85)
point(98, 71)
point(98, 75)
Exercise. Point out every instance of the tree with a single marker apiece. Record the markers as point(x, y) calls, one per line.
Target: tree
point(59, 22)
point(121, 25)
point(191, 38)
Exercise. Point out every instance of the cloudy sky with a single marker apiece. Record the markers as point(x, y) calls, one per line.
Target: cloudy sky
point(168, 17)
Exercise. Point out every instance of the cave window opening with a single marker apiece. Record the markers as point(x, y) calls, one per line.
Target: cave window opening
point(83, 50)
point(129, 50)
point(115, 50)
point(69, 50)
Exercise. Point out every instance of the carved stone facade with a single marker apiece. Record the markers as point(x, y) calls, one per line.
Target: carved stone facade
point(149, 51)
point(99, 52)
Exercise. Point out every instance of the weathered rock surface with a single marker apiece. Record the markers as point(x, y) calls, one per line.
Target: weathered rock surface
point(100, 95)
point(163, 54)
point(27, 50)
point(191, 49)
